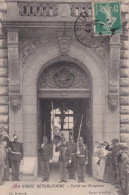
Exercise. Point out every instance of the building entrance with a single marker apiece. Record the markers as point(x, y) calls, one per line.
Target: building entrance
point(69, 115)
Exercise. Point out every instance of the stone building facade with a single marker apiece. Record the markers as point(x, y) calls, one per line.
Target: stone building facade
point(34, 36)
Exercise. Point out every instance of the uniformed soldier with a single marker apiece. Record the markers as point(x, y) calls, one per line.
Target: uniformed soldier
point(2, 162)
point(82, 159)
point(124, 173)
point(115, 147)
point(45, 156)
point(64, 159)
point(15, 155)
point(73, 152)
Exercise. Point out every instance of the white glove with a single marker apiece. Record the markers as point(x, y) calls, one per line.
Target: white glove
point(50, 160)
point(70, 161)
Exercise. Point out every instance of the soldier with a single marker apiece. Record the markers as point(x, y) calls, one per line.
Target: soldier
point(15, 155)
point(45, 156)
point(73, 152)
point(64, 159)
point(2, 162)
point(115, 147)
point(82, 159)
point(124, 172)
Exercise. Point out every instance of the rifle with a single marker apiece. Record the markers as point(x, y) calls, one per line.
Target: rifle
point(79, 134)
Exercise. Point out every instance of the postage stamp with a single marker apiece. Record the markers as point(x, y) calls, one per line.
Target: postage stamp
point(107, 18)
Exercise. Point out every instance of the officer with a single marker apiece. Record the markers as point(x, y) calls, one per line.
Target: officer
point(82, 159)
point(15, 156)
point(64, 159)
point(73, 152)
point(45, 156)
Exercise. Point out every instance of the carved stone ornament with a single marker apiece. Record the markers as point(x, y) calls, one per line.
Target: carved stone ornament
point(64, 75)
point(29, 46)
point(64, 45)
point(76, 9)
point(38, 9)
point(15, 102)
point(113, 101)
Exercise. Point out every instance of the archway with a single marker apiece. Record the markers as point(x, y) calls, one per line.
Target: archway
point(35, 64)
point(64, 101)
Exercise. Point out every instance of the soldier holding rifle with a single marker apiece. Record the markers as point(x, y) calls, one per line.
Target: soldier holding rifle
point(82, 156)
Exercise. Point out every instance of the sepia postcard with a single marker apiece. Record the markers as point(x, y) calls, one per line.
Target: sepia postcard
point(64, 97)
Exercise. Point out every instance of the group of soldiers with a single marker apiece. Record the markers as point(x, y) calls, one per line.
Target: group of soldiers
point(11, 154)
point(113, 164)
point(72, 156)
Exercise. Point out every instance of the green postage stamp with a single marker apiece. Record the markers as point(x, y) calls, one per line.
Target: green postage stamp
point(107, 18)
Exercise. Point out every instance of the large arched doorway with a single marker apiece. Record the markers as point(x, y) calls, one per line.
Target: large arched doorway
point(64, 100)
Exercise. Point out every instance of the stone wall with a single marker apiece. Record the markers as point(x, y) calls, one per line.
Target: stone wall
point(4, 113)
point(124, 74)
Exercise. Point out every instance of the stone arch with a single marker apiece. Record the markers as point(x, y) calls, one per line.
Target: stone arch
point(42, 58)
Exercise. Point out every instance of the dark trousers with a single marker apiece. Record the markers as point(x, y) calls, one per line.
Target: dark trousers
point(6, 171)
point(81, 171)
point(63, 170)
point(15, 169)
point(72, 170)
point(45, 169)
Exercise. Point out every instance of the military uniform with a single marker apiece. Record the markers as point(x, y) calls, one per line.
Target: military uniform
point(124, 174)
point(15, 156)
point(82, 158)
point(115, 153)
point(64, 157)
point(72, 165)
point(45, 156)
point(2, 163)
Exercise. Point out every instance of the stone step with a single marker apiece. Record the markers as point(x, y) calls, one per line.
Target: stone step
point(124, 118)
point(124, 73)
point(124, 82)
point(124, 100)
point(124, 91)
point(124, 109)
point(124, 128)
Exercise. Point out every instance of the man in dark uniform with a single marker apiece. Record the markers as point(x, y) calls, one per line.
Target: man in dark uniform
point(73, 152)
point(124, 173)
point(64, 159)
point(45, 156)
point(82, 159)
point(115, 147)
point(15, 156)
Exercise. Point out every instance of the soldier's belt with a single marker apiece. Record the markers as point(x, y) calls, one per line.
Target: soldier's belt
point(15, 152)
